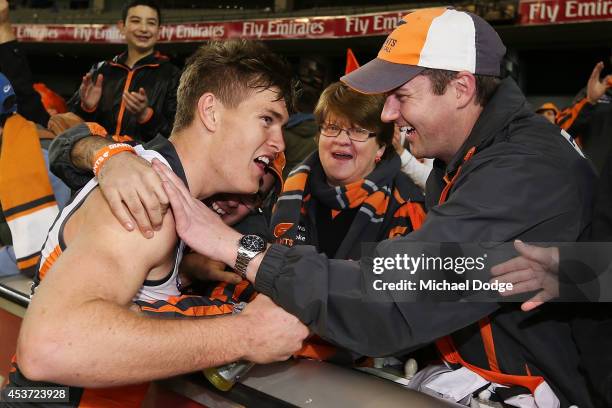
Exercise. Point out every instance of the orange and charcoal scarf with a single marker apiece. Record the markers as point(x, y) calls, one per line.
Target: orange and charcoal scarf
point(389, 203)
point(26, 194)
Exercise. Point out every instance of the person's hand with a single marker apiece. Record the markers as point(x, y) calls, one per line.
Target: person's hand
point(397, 142)
point(596, 87)
point(6, 31)
point(90, 92)
point(199, 267)
point(4, 12)
point(535, 268)
point(134, 192)
point(61, 122)
point(201, 228)
point(137, 103)
point(271, 333)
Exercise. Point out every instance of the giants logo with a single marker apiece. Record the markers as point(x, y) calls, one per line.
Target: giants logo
point(389, 44)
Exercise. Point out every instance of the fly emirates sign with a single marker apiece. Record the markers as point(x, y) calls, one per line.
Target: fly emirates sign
point(564, 11)
point(361, 25)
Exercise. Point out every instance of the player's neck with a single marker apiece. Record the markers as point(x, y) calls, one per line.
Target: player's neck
point(200, 177)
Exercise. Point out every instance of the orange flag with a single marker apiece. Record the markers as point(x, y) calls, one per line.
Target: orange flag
point(351, 62)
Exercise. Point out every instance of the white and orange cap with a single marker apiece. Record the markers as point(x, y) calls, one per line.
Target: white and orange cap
point(438, 38)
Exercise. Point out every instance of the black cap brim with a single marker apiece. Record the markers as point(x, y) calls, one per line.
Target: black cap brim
point(380, 76)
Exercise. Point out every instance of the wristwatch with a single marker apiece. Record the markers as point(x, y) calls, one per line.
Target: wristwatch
point(248, 247)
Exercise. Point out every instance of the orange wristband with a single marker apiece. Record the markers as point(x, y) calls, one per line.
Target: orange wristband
point(106, 152)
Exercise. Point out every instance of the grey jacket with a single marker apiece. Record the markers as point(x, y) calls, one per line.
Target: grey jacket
point(524, 181)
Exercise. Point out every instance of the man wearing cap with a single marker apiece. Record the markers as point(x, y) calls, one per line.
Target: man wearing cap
point(500, 174)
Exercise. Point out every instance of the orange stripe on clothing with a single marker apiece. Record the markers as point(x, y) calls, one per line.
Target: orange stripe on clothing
point(417, 215)
point(57, 251)
point(568, 116)
point(30, 210)
point(122, 138)
point(447, 348)
point(277, 167)
point(296, 182)
point(397, 232)
point(194, 311)
point(414, 212)
point(355, 196)
point(379, 201)
point(218, 292)
point(96, 129)
point(398, 197)
point(28, 263)
point(22, 159)
point(487, 338)
point(451, 182)
point(126, 87)
point(239, 288)
point(317, 350)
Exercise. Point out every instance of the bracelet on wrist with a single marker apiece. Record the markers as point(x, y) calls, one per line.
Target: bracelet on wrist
point(107, 152)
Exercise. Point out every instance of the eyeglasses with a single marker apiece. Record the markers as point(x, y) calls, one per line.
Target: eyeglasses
point(355, 134)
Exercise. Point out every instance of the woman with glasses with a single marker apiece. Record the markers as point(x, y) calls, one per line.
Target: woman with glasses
point(351, 190)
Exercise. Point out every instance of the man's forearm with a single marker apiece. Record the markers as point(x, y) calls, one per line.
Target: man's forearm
point(83, 152)
point(127, 348)
point(253, 267)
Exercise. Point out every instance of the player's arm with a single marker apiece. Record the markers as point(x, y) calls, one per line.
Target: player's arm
point(79, 331)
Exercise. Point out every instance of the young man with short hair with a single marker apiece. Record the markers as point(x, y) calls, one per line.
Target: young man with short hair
point(79, 329)
point(134, 94)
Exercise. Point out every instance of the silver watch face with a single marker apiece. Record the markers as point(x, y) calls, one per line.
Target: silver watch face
point(253, 243)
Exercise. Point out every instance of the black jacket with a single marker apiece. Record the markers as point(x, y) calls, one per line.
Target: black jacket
point(155, 74)
point(594, 125)
point(14, 65)
point(524, 181)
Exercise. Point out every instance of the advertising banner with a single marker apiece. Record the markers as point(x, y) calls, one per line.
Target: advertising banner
point(563, 11)
point(362, 25)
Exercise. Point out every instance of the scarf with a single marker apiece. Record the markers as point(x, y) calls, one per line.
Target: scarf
point(389, 205)
point(26, 194)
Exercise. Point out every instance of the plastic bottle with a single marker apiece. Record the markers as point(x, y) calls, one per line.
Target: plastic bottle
point(225, 376)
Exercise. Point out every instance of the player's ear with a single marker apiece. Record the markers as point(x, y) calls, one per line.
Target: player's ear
point(208, 104)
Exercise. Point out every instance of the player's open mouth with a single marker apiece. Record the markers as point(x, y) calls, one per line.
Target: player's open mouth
point(217, 209)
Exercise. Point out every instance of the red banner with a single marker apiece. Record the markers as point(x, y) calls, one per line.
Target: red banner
point(564, 11)
point(362, 25)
